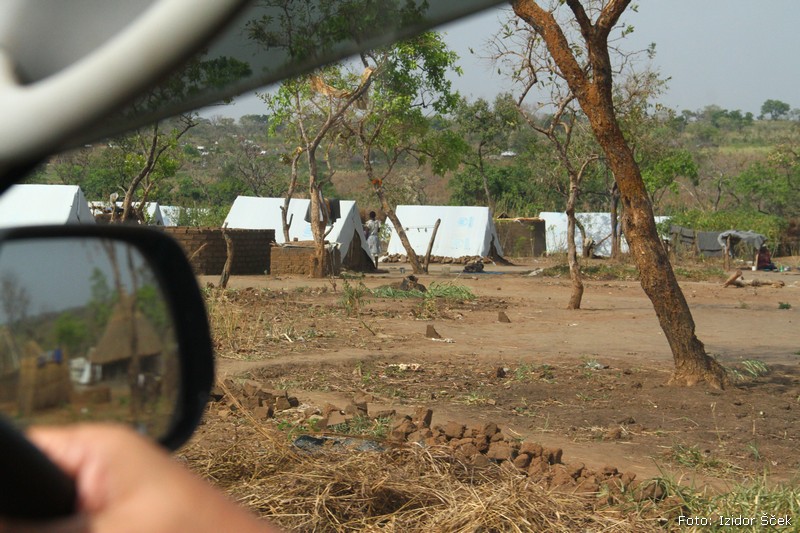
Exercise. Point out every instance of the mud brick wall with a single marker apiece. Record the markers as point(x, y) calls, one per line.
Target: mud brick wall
point(251, 249)
point(521, 237)
point(296, 259)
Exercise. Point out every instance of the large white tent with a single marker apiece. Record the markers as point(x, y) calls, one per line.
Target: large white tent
point(36, 205)
point(464, 231)
point(597, 226)
point(250, 212)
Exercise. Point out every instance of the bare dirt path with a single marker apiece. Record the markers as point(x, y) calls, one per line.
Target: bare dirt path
point(591, 381)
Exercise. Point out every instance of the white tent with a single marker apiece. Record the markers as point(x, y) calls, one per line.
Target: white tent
point(250, 212)
point(36, 205)
point(464, 231)
point(170, 214)
point(152, 211)
point(173, 215)
point(152, 214)
point(597, 226)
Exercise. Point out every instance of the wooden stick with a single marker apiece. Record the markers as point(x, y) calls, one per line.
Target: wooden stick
point(430, 245)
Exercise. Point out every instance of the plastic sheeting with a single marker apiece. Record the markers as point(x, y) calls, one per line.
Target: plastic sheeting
point(464, 231)
point(751, 238)
point(250, 212)
point(36, 205)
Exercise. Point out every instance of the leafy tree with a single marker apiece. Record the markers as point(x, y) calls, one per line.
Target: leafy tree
point(258, 171)
point(772, 186)
point(661, 172)
point(392, 123)
point(514, 185)
point(71, 167)
point(314, 106)
point(145, 157)
point(71, 333)
point(150, 301)
point(140, 161)
point(592, 85)
point(487, 129)
point(15, 300)
point(775, 109)
point(102, 302)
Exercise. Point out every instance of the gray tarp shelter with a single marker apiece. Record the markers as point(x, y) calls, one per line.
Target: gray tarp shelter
point(703, 243)
point(750, 238)
point(712, 243)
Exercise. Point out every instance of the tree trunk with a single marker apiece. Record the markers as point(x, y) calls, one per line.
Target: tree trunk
point(226, 269)
point(377, 187)
point(285, 222)
point(482, 171)
point(430, 245)
point(594, 94)
point(318, 222)
point(616, 248)
point(692, 365)
point(572, 253)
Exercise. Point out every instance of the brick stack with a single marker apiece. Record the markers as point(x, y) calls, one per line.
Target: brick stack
point(251, 249)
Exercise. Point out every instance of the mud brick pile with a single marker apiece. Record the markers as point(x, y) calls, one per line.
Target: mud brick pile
point(482, 444)
point(297, 259)
point(402, 258)
point(261, 402)
point(477, 445)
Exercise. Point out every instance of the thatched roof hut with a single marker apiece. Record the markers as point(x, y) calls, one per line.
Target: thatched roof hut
point(127, 334)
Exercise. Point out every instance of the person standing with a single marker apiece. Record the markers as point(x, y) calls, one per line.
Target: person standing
point(371, 229)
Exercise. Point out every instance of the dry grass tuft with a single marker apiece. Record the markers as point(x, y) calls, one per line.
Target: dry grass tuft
point(405, 488)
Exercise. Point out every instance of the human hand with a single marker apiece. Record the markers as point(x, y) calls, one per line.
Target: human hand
point(126, 483)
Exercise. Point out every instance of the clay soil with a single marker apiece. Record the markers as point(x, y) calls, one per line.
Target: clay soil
point(592, 382)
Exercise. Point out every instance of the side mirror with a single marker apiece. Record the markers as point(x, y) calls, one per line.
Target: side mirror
point(99, 323)
point(102, 323)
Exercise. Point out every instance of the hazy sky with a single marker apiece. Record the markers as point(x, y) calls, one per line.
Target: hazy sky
point(733, 53)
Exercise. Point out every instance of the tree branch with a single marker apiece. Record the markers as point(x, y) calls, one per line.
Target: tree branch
point(609, 17)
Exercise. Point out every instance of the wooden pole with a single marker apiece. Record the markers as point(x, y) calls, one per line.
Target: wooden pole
point(430, 245)
point(727, 264)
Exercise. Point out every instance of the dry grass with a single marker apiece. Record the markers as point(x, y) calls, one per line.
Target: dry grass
point(251, 324)
point(406, 488)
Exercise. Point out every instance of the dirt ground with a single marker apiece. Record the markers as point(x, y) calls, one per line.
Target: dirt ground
point(592, 382)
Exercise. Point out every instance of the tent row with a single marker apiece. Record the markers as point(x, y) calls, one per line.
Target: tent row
point(463, 231)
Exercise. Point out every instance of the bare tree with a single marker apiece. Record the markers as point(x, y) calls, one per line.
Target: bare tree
point(249, 162)
point(520, 50)
point(14, 299)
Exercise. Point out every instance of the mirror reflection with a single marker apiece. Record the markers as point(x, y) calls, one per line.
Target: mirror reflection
point(85, 335)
